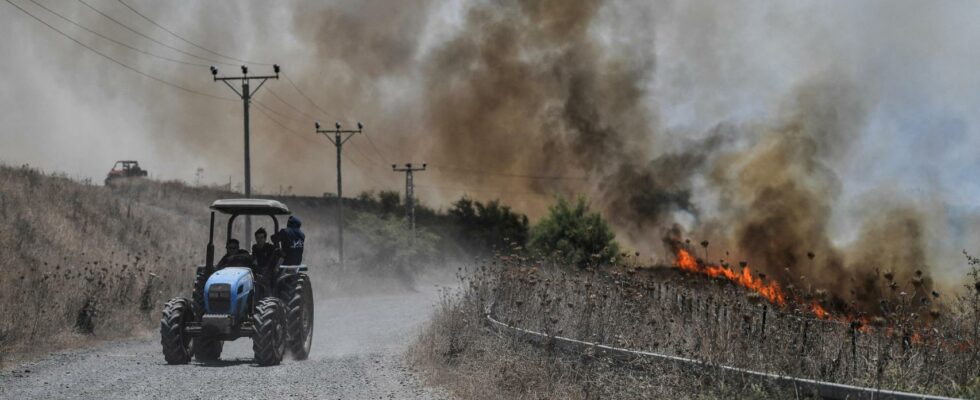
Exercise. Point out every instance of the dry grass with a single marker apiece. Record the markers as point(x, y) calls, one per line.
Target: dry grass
point(665, 311)
point(83, 262)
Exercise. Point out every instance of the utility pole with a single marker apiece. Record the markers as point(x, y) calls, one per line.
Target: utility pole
point(409, 193)
point(198, 176)
point(246, 95)
point(338, 140)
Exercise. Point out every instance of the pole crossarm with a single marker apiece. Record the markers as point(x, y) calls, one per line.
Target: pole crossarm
point(245, 77)
point(338, 132)
point(407, 167)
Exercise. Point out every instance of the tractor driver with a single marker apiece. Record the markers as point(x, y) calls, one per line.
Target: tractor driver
point(266, 257)
point(234, 255)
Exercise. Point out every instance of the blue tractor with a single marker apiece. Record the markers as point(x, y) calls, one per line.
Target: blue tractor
point(230, 301)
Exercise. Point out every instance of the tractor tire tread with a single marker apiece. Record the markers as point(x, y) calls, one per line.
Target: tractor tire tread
point(268, 343)
point(298, 296)
point(176, 349)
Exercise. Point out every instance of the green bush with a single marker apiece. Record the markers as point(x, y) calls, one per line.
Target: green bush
point(390, 244)
point(570, 233)
point(483, 227)
point(386, 203)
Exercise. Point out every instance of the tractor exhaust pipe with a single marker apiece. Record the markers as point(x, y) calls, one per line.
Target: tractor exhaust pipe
point(209, 260)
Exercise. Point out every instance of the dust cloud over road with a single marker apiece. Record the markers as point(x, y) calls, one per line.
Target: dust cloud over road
point(357, 353)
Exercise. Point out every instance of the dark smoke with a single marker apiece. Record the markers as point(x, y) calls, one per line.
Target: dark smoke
point(781, 192)
point(525, 87)
point(542, 88)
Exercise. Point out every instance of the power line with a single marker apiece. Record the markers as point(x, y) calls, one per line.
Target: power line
point(131, 29)
point(120, 63)
point(136, 70)
point(313, 103)
point(186, 40)
point(301, 93)
point(309, 100)
point(291, 106)
point(373, 146)
point(261, 107)
point(466, 189)
point(171, 32)
point(288, 79)
point(364, 171)
point(450, 169)
point(114, 40)
point(277, 112)
point(264, 109)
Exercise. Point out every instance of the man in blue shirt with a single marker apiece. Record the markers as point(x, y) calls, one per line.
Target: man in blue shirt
point(291, 240)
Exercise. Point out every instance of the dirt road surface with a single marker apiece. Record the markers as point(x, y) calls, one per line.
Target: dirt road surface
point(358, 348)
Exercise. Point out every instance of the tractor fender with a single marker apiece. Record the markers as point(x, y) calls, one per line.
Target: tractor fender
point(289, 272)
point(227, 291)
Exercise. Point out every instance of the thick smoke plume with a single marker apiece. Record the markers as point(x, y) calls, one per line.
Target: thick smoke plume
point(730, 122)
point(779, 195)
point(526, 87)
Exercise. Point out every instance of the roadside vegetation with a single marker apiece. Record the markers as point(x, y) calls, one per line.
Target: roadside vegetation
point(571, 234)
point(924, 343)
point(83, 262)
point(80, 260)
point(483, 228)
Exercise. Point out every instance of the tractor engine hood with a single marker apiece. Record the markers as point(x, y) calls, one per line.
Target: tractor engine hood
point(227, 290)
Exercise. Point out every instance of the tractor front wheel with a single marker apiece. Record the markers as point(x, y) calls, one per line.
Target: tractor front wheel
point(299, 317)
point(173, 336)
point(269, 320)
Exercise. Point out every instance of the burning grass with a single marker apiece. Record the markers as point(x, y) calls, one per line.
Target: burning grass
point(732, 318)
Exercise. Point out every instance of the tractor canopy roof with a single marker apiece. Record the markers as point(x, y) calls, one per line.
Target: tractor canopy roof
point(250, 207)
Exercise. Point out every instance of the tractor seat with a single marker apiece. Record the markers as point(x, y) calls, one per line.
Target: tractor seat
point(242, 259)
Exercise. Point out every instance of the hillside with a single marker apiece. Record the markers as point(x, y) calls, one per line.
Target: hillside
point(87, 262)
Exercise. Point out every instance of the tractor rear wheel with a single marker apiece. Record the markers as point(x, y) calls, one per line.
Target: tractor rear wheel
point(269, 320)
point(173, 336)
point(298, 297)
point(207, 349)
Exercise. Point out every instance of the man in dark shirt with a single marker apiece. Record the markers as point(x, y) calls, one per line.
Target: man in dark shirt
point(266, 258)
point(291, 241)
point(234, 256)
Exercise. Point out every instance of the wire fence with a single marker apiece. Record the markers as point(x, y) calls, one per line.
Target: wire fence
point(828, 390)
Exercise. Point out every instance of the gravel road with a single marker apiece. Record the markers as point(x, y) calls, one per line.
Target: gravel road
point(358, 348)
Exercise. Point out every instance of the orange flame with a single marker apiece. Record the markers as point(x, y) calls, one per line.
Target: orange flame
point(775, 295)
point(770, 291)
point(819, 311)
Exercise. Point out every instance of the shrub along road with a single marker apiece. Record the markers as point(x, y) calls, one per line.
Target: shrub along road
point(358, 349)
